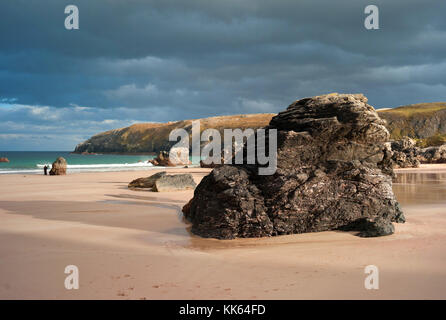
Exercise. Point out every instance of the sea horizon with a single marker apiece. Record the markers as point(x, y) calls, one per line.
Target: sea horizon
point(33, 162)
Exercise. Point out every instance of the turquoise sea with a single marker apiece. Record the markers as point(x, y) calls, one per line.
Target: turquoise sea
point(33, 162)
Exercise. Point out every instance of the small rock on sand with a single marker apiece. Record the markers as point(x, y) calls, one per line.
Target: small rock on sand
point(59, 167)
point(162, 182)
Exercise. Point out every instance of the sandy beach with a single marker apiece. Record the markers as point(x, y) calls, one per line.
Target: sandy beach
point(135, 245)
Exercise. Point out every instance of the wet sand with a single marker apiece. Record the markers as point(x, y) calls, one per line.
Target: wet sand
point(135, 245)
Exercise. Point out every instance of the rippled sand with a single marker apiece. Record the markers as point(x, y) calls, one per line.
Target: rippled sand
point(135, 245)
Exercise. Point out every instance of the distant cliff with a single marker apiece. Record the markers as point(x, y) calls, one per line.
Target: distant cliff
point(425, 122)
point(154, 137)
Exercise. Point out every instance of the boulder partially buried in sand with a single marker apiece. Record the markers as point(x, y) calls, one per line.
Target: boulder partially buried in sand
point(59, 167)
point(162, 182)
point(333, 172)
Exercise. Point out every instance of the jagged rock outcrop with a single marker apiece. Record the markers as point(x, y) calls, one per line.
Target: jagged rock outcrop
point(177, 156)
point(405, 153)
point(162, 182)
point(162, 160)
point(59, 167)
point(333, 172)
point(4, 159)
point(433, 154)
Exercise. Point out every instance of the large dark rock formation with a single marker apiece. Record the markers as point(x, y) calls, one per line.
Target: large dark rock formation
point(162, 160)
point(162, 182)
point(333, 172)
point(59, 167)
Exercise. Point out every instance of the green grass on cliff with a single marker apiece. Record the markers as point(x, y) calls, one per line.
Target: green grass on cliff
point(424, 122)
point(416, 109)
point(436, 140)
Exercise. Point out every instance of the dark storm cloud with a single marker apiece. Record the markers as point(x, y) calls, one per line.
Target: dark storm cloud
point(168, 60)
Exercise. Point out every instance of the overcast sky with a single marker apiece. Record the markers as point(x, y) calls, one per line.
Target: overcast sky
point(136, 61)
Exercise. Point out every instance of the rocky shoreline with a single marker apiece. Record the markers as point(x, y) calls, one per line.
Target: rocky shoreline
point(407, 155)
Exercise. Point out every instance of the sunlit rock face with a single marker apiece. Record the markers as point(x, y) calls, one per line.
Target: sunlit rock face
point(59, 167)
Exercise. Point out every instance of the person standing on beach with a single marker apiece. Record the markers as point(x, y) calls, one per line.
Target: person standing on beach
point(45, 170)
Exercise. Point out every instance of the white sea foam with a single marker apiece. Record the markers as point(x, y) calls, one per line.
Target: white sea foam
point(74, 168)
point(103, 165)
point(33, 171)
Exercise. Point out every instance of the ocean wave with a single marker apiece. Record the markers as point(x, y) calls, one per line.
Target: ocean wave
point(20, 171)
point(103, 165)
point(76, 168)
